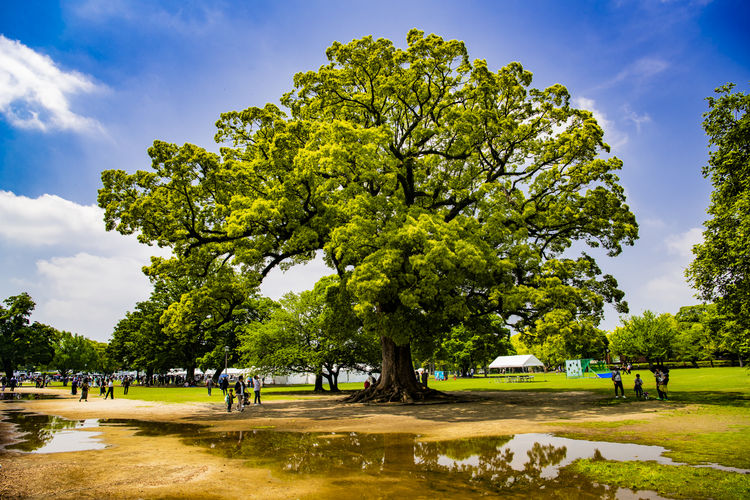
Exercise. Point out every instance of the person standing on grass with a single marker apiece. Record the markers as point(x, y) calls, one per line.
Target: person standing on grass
point(84, 391)
point(657, 379)
point(110, 389)
point(125, 385)
point(638, 388)
point(256, 389)
point(617, 379)
point(239, 389)
point(224, 385)
point(209, 384)
point(663, 382)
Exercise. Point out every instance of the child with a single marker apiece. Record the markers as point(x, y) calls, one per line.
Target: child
point(229, 400)
point(638, 385)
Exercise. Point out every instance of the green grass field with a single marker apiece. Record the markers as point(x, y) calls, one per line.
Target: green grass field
point(703, 385)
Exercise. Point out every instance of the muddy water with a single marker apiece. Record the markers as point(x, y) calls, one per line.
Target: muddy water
point(34, 433)
point(361, 465)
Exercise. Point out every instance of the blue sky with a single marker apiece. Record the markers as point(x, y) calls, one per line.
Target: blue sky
point(88, 85)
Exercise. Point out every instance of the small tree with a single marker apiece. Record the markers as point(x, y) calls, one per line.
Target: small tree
point(649, 336)
point(74, 353)
point(315, 331)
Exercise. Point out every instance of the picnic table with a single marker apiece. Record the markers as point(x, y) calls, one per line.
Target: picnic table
point(515, 377)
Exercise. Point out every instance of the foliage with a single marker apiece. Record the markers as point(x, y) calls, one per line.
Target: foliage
point(188, 320)
point(721, 269)
point(436, 189)
point(313, 332)
point(472, 344)
point(649, 336)
point(74, 353)
point(22, 343)
point(575, 340)
point(699, 335)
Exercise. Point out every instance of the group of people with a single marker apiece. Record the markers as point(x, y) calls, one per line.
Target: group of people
point(243, 397)
point(12, 383)
point(661, 377)
point(106, 387)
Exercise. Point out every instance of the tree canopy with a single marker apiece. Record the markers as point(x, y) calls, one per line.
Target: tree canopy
point(721, 269)
point(436, 189)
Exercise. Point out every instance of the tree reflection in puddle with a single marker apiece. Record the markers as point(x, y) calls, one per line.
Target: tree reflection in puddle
point(402, 463)
point(51, 434)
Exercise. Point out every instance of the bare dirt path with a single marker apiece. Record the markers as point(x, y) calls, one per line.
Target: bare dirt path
point(165, 467)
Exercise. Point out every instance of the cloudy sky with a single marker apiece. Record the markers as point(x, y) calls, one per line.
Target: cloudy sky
point(88, 85)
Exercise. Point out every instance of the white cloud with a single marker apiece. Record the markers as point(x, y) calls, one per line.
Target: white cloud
point(82, 278)
point(637, 119)
point(682, 244)
point(35, 92)
point(612, 135)
point(51, 221)
point(184, 18)
point(89, 293)
point(669, 285)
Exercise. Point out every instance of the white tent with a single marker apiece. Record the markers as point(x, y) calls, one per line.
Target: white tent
point(518, 361)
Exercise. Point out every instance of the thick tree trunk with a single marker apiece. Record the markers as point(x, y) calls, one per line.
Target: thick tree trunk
point(397, 381)
point(319, 383)
point(190, 375)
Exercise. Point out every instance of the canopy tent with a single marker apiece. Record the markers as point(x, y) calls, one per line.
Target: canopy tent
point(518, 361)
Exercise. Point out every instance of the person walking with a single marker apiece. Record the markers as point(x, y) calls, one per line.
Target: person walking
point(125, 385)
point(256, 389)
point(617, 379)
point(74, 386)
point(209, 384)
point(110, 389)
point(84, 391)
point(224, 384)
point(239, 389)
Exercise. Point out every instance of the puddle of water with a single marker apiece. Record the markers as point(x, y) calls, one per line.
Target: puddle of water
point(25, 396)
point(51, 434)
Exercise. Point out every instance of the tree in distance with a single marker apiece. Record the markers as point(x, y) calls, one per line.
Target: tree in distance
point(721, 269)
point(22, 343)
point(316, 332)
point(438, 191)
point(74, 353)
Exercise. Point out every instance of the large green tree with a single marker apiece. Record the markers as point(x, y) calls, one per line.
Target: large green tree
point(437, 190)
point(721, 269)
point(22, 343)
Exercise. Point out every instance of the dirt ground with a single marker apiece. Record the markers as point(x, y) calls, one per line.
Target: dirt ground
point(165, 467)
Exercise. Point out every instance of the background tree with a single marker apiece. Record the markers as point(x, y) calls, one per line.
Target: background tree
point(315, 331)
point(699, 335)
point(581, 340)
point(436, 189)
point(649, 336)
point(721, 269)
point(22, 343)
point(473, 344)
point(74, 353)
